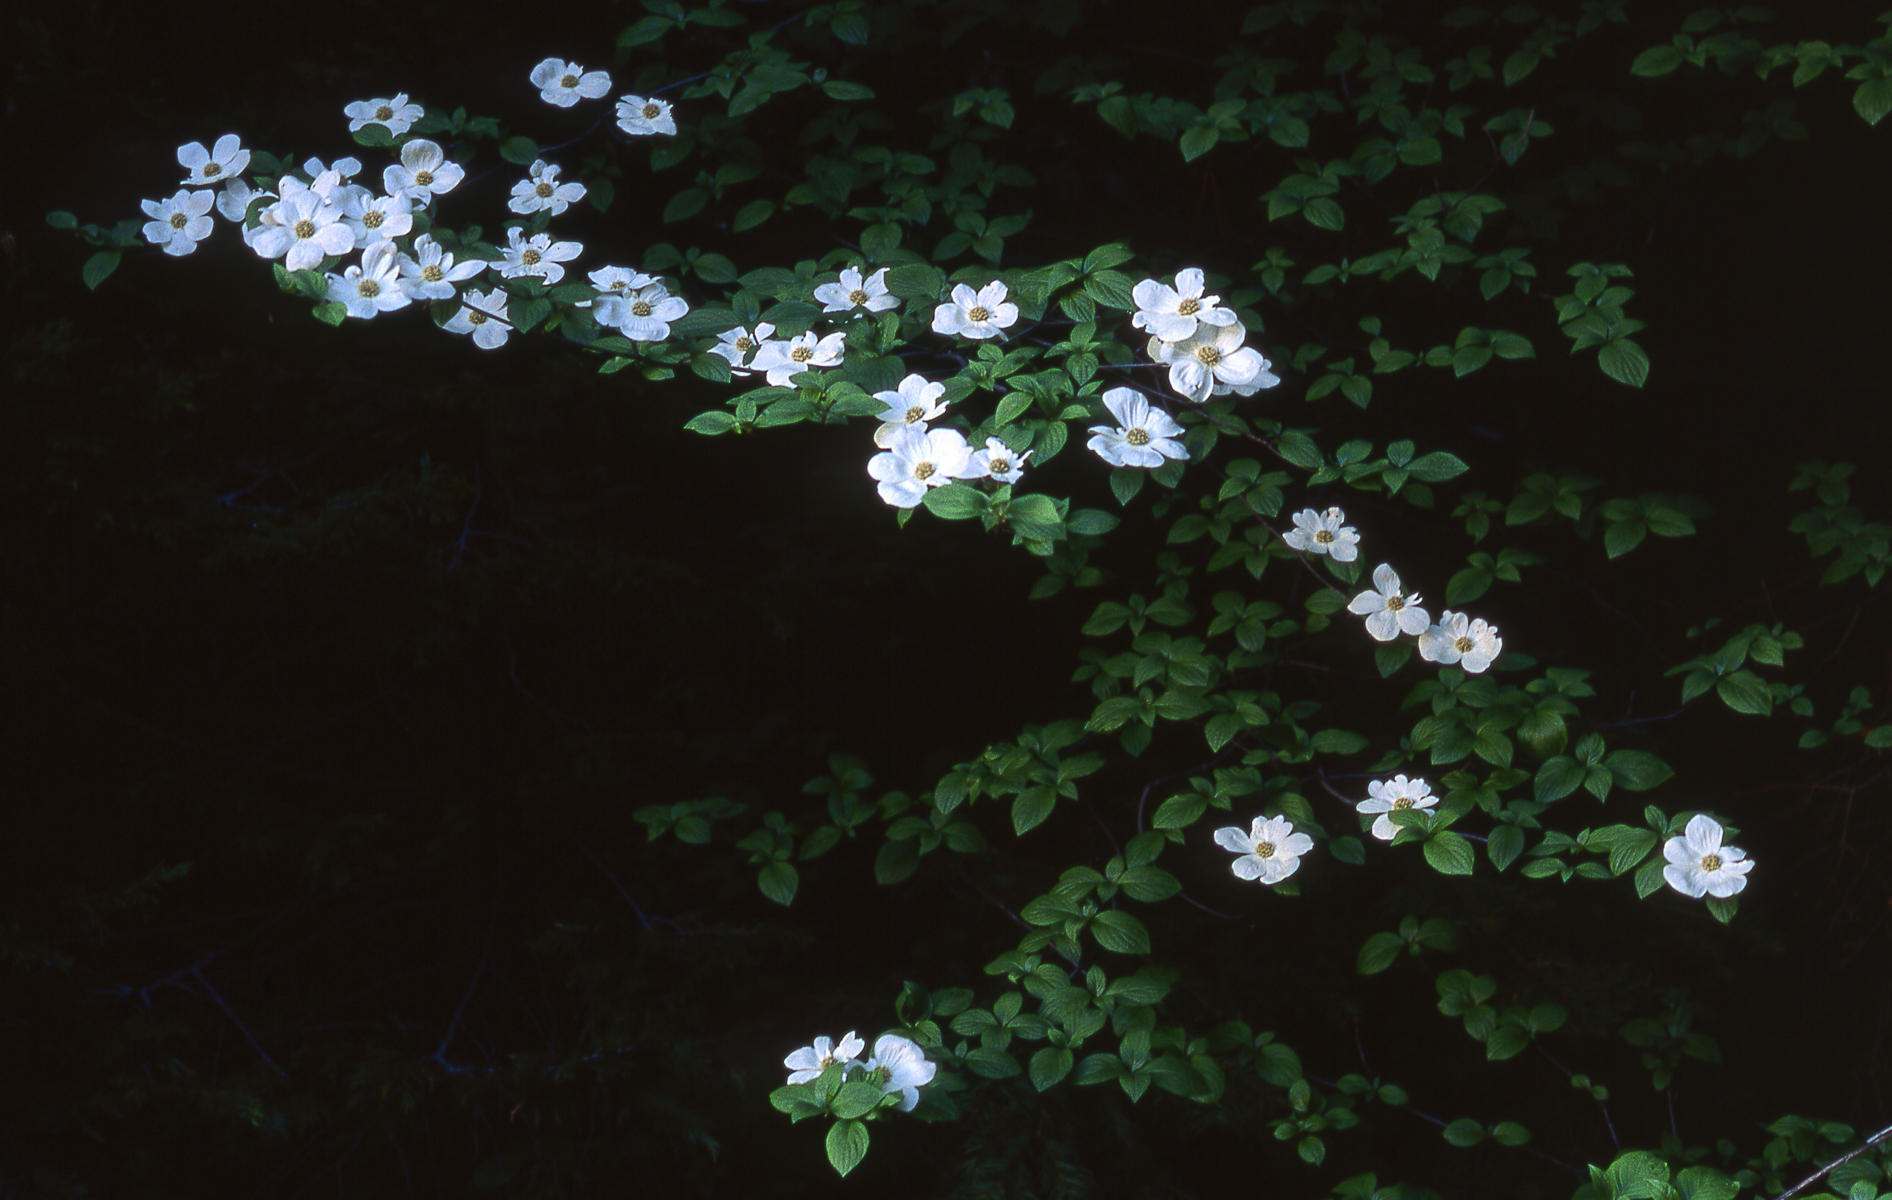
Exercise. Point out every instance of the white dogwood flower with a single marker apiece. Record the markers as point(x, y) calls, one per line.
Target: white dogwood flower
point(207, 167)
point(997, 462)
point(565, 84)
point(1394, 795)
point(1144, 436)
point(482, 314)
point(1456, 638)
point(373, 285)
point(912, 405)
point(1210, 359)
point(423, 172)
point(809, 1062)
point(898, 1065)
point(376, 218)
point(640, 117)
point(542, 192)
point(1270, 851)
point(854, 293)
point(1700, 865)
point(916, 460)
point(301, 229)
point(783, 360)
point(537, 256)
point(395, 113)
point(233, 202)
point(1172, 314)
point(430, 272)
point(736, 345)
point(1324, 533)
point(981, 314)
point(1389, 612)
point(179, 223)
point(644, 315)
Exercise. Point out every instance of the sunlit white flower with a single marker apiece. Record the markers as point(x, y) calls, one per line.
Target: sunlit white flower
point(1213, 355)
point(1389, 612)
point(565, 84)
point(422, 173)
point(430, 272)
point(538, 256)
point(1264, 378)
point(1145, 436)
point(542, 192)
point(482, 314)
point(916, 460)
point(234, 201)
point(377, 218)
point(782, 361)
point(644, 314)
point(373, 285)
point(618, 281)
point(1173, 313)
point(913, 404)
point(396, 113)
point(736, 345)
point(638, 116)
point(853, 293)
point(179, 223)
point(898, 1065)
point(997, 462)
point(324, 179)
point(1324, 533)
point(1394, 795)
point(1456, 638)
point(1270, 850)
point(1699, 864)
point(301, 229)
point(809, 1062)
point(204, 167)
point(981, 314)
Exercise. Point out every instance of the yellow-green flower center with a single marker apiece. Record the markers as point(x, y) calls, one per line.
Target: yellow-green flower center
point(651, 111)
point(1264, 849)
point(1138, 437)
point(373, 218)
point(384, 113)
point(1711, 862)
point(1323, 535)
point(999, 466)
point(1462, 644)
point(979, 312)
point(530, 258)
point(924, 470)
point(304, 228)
point(544, 190)
point(744, 345)
point(571, 81)
point(641, 308)
point(212, 169)
point(368, 288)
point(1403, 802)
point(475, 316)
point(916, 413)
point(432, 273)
point(1188, 308)
point(1208, 355)
point(1395, 602)
point(424, 178)
point(180, 219)
point(802, 353)
point(857, 297)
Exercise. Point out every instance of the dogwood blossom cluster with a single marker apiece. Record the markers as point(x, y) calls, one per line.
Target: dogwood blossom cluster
point(1201, 342)
point(897, 1064)
point(1455, 639)
point(1699, 865)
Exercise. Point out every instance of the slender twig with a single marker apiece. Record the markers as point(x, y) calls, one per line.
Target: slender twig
point(216, 996)
point(453, 1027)
point(1868, 1144)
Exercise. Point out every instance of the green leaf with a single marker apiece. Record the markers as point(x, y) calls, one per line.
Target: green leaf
point(955, 501)
point(1198, 141)
point(331, 312)
point(1437, 467)
point(1380, 951)
point(752, 214)
point(856, 1099)
point(842, 89)
point(1623, 536)
point(847, 1145)
point(1637, 770)
point(1656, 60)
point(1625, 362)
point(519, 150)
point(1464, 1132)
point(778, 881)
point(1873, 99)
point(711, 423)
point(1503, 845)
point(1325, 213)
point(1179, 812)
point(685, 204)
point(1031, 808)
point(1119, 931)
point(1049, 1066)
point(62, 220)
point(99, 268)
point(1449, 853)
point(895, 861)
point(1745, 692)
